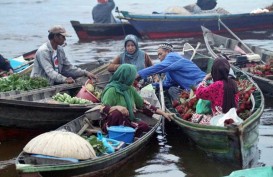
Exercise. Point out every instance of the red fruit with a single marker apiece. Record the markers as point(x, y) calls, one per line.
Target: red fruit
point(180, 109)
point(187, 116)
point(242, 106)
point(175, 103)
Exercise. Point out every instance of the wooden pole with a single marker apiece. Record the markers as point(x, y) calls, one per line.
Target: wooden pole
point(234, 35)
point(162, 103)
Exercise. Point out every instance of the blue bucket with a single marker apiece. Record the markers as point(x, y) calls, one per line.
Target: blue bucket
point(121, 133)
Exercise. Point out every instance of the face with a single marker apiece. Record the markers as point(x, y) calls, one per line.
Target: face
point(60, 39)
point(162, 54)
point(130, 47)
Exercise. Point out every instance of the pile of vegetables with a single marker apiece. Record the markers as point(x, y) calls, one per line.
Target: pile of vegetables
point(186, 106)
point(97, 145)
point(65, 98)
point(94, 90)
point(22, 83)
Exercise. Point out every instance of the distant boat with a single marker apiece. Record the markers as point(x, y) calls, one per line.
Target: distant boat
point(154, 26)
point(23, 64)
point(219, 45)
point(91, 32)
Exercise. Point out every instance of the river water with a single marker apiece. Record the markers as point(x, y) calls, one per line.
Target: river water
point(23, 27)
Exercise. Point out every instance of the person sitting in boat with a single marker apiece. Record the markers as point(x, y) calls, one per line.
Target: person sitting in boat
point(102, 12)
point(223, 92)
point(180, 72)
point(5, 65)
point(120, 100)
point(131, 55)
point(51, 62)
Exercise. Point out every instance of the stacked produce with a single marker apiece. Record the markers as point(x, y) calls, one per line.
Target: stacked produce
point(22, 83)
point(261, 70)
point(65, 98)
point(246, 88)
point(186, 106)
point(94, 90)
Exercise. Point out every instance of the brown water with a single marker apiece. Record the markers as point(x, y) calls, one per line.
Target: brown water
point(24, 28)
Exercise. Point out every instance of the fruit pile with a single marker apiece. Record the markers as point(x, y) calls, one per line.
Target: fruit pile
point(94, 90)
point(246, 88)
point(65, 98)
point(261, 70)
point(186, 106)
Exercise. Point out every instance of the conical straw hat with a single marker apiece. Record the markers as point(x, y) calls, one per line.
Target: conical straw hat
point(61, 144)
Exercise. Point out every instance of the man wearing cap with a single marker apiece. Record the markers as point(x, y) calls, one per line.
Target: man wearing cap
point(51, 62)
point(102, 12)
point(179, 71)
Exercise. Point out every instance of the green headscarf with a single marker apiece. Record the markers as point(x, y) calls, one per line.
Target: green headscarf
point(122, 81)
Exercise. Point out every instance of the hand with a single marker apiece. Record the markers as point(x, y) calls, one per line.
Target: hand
point(69, 80)
point(121, 109)
point(168, 116)
point(207, 77)
point(10, 71)
point(91, 76)
point(164, 114)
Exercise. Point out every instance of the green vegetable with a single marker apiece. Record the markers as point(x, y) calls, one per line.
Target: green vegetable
point(65, 98)
point(22, 83)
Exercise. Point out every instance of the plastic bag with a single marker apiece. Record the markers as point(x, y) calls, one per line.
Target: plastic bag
point(203, 107)
point(219, 120)
point(109, 147)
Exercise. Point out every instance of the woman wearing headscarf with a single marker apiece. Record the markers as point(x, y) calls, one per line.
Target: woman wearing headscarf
point(121, 100)
point(223, 92)
point(131, 55)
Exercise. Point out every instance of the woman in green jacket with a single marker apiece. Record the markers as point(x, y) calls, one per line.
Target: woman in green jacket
point(121, 100)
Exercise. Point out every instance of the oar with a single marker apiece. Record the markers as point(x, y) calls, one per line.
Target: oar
point(162, 103)
point(195, 50)
point(117, 10)
point(234, 35)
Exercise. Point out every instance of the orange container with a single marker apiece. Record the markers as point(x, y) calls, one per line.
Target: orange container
point(85, 94)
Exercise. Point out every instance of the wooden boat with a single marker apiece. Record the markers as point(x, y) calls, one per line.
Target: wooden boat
point(236, 144)
point(220, 45)
point(153, 26)
point(26, 165)
point(96, 66)
point(253, 172)
point(23, 64)
point(91, 32)
point(35, 111)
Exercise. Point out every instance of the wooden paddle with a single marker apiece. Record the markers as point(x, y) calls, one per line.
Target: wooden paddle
point(234, 35)
point(195, 50)
point(162, 103)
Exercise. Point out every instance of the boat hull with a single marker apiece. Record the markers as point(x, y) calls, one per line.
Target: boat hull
point(92, 32)
point(175, 26)
point(28, 112)
point(98, 166)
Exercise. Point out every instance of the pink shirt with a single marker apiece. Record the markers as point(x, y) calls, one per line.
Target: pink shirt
point(215, 93)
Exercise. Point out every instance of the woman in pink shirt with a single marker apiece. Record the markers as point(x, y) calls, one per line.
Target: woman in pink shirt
point(223, 91)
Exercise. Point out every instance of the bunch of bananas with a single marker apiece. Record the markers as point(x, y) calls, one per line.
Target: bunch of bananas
point(65, 98)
